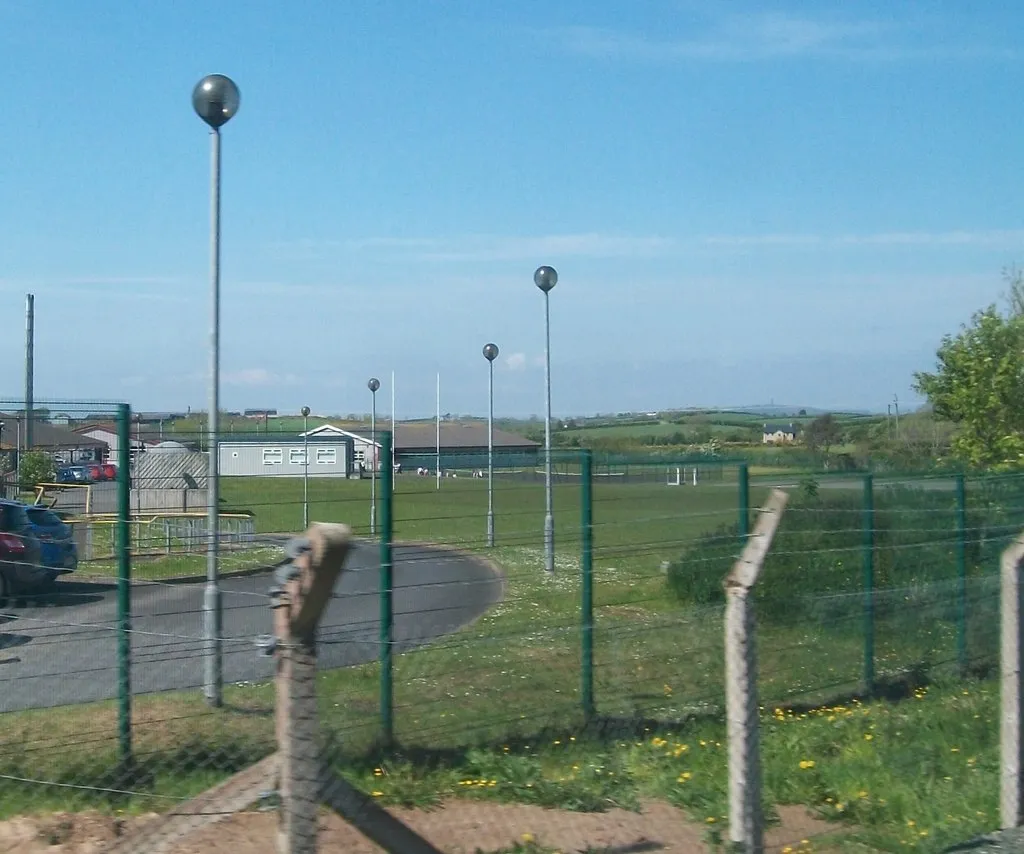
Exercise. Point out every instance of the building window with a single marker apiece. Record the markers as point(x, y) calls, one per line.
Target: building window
point(273, 456)
point(296, 457)
point(326, 456)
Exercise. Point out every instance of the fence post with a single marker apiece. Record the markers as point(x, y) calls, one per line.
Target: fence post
point(868, 560)
point(386, 497)
point(1011, 665)
point(746, 821)
point(587, 582)
point(124, 571)
point(744, 500)
point(298, 603)
point(961, 572)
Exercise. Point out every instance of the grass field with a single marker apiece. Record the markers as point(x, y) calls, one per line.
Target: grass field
point(494, 710)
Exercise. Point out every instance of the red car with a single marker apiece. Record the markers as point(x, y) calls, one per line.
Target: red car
point(109, 471)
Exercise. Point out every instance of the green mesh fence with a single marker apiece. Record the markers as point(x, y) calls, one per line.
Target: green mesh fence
point(870, 585)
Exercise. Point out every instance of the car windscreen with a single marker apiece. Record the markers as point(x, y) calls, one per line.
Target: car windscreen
point(12, 517)
point(43, 517)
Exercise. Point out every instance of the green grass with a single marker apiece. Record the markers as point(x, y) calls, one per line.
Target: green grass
point(499, 701)
point(231, 561)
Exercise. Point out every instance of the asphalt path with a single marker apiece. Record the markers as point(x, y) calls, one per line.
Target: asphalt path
point(61, 648)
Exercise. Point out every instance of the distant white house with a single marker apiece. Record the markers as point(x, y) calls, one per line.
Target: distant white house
point(778, 434)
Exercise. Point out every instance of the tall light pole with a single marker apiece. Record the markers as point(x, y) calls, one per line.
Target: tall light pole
point(305, 468)
point(373, 384)
point(546, 278)
point(215, 99)
point(490, 354)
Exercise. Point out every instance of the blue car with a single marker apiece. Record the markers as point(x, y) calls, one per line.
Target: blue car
point(72, 474)
point(59, 551)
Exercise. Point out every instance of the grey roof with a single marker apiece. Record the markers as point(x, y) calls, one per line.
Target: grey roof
point(781, 428)
point(410, 437)
point(167, 470)
point(46, 436)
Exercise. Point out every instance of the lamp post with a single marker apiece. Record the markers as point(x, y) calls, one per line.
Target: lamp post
point(373, 384)
point(215, 99)
point(490, 354)
point(546, 278)
point(305, 468)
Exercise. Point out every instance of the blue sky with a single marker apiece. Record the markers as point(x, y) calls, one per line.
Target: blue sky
point(745, 202)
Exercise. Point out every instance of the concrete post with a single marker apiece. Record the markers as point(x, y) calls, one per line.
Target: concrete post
point(746, 821)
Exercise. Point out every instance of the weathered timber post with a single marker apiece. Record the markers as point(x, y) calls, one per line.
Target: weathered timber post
point(299, 602)
point(746, 821)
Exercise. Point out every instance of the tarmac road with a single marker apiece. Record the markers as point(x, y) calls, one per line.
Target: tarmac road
point(62, 648)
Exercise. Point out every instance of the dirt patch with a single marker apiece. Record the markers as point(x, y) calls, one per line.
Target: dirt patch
point(459, 827)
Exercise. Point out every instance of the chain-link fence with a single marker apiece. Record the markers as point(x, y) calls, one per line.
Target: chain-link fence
point(452, 668)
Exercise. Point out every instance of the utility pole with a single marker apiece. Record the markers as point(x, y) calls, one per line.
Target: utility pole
point(896, 403)
point(30, 344)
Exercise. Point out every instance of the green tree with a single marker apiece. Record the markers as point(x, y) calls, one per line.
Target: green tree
point(822, 433)
point(978, 385)
point(36, 467)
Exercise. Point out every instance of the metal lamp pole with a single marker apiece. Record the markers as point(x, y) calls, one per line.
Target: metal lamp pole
point(490, 354)
point(215, 99)
point(305, 468)
point(546, 278)
point(373, 384)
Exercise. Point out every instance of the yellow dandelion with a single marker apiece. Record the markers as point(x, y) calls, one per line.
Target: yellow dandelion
point(527, 838)
point(711, 819)
point(377, 794)
point(868, 736)
point(806, 763)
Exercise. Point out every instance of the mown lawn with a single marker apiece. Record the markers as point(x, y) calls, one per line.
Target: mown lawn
point(494, 710)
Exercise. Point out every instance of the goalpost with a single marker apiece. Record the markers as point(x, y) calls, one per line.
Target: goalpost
point(680, 476)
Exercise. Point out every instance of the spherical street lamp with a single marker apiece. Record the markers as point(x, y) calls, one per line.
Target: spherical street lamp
point(546, 278)
point(490, 354)
point(373, 384)
point(215, 99)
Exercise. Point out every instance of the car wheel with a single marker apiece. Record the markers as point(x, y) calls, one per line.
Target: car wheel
point(5, 589)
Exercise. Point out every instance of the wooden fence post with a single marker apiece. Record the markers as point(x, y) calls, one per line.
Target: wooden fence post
point(1011, 794)
point(746, 821)
point(299, 602)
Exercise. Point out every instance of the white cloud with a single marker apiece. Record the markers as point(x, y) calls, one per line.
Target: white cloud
point(256, 377)
point(516, 361)
point(495, 247)
point(992, 238)
point(768, 36)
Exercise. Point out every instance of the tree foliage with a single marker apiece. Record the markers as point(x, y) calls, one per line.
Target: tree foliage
point(36, 467)
point(978, 384)
point(822, 433)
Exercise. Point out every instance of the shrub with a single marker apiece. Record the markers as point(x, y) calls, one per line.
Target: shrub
point(36, 467)
point(819, 547)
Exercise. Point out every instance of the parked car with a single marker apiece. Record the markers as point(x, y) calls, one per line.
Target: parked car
point(20, 553)
point(72, 474)
point(109, 471)
point(58, 549)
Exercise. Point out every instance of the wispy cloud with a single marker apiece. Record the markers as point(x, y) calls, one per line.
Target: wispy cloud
point(516, 361)
point(493, 247)
point(770, 36)
point(991, 238)
point(256, 377)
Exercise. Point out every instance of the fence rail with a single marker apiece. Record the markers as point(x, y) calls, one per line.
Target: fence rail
point(436, 641)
